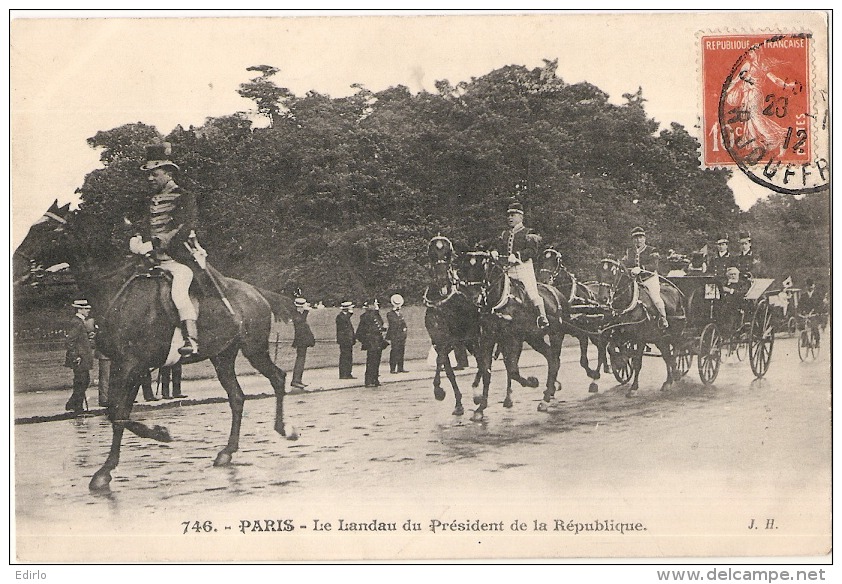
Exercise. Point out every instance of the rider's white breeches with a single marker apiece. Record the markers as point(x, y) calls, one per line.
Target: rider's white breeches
point(182, 276)
point(653, 285)
point(525, 273)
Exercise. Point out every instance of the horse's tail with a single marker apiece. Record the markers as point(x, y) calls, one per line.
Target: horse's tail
point(282, 306)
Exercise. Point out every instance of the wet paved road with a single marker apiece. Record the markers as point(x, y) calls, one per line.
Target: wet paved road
point(370, 451)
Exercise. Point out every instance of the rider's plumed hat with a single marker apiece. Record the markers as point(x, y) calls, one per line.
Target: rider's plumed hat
point(638, 231)
point(156, 157)
point(515, 207)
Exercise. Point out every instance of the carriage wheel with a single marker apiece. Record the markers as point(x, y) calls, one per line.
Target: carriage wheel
point(710, 354)
point(792, 326)
point(740, 349)
point(808, 347)
point(621, 361)
point(761, 340)
point(683, 361)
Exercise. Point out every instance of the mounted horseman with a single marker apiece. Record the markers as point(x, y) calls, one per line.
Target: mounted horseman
point(643, 262)
point(171, 223)
point(519, 246)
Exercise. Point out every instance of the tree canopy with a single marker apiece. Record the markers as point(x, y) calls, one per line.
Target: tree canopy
point(338, 196)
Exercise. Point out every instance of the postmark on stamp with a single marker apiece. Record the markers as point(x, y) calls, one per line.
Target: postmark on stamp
point(763, 111)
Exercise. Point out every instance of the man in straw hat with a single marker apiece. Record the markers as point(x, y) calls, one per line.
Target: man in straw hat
point(79, 355)
point(396, 334)
point(302, 340)
point(173, 219)
point(345, 339)
point(643, 261)
point(520, 244)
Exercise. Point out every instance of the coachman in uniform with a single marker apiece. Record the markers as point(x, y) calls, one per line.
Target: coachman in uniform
point(345, 339)
point(720, 261)
point(172, 224)
point(396, 334)
point(643, 260)
point(79, 354)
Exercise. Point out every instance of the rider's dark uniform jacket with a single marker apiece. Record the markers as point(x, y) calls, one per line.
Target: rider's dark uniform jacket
point(645, 258)
point(718, 266)
point(517, 243)
point(172, 216)
point(746, 263)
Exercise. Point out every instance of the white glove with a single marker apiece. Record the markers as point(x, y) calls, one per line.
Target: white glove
point(636, 270)
point(138, 246)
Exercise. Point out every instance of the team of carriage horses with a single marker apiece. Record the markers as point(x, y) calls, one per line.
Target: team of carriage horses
point(470, 299)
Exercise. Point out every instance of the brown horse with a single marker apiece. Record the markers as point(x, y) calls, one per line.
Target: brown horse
point(137, 322)
point(633, 320)
point(508, 319)
point(581, 316)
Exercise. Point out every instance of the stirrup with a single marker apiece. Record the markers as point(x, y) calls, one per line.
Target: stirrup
point(190, 347)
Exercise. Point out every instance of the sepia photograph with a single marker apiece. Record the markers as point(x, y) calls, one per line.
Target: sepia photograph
point(411, 287)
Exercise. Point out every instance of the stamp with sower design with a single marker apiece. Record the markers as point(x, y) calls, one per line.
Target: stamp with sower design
point(764, 112)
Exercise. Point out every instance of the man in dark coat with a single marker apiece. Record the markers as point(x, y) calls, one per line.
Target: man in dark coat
point(79, 355)
point(302, 341)
point(396, 335)
point(370, 335)
point(719, 262)
point(745, 260)
point(172, 223)
point(345, 339)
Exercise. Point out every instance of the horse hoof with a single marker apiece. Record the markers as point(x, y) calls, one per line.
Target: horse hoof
point(222, 459)
point(459, 411)
point(543, 406)
point(160, 433)
point(100, 481)
point(593, 388)
point(439, 393)
point(477, 417)
point(507, 403)
point(531, 382)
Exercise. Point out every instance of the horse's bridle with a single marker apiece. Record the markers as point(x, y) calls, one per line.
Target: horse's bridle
point(618, 270)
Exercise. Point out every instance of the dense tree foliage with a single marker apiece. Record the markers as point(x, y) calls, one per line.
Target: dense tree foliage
point(340, 195)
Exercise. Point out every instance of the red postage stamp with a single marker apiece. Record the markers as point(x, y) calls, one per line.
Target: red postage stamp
point(758, 110)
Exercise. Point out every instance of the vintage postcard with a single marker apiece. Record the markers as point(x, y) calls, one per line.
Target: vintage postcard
point(420, 287)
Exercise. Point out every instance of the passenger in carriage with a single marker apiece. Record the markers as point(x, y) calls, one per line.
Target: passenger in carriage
point(643, 261)
point(171, 223)
point(519, 244)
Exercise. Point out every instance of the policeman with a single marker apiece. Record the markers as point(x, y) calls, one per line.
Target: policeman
point(643, 261)
point(718, 263)
point(520, 244)
point(173, 219)
point(396, 335)
point(79, 355)
point(345, 339)
point(370, 335)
